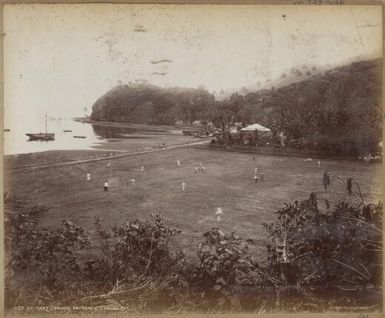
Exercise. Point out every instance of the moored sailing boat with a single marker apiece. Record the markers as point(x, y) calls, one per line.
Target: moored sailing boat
point(42, 136)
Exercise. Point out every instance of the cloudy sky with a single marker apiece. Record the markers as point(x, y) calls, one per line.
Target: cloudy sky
point(60, 58)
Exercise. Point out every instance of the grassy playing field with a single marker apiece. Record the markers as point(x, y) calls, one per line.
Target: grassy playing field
point(227, 182)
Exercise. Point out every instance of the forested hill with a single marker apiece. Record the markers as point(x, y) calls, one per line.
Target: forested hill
point(338, 108)
point(144, 103)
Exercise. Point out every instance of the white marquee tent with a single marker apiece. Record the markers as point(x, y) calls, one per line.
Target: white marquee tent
point(257, 127)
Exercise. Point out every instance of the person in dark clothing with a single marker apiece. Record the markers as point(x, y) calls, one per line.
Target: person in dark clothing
point(326, 179)
point(313, 200)
point(349, 184)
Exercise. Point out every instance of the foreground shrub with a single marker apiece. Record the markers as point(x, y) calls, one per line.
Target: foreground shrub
point(316, 259)
point(333, 256)
point(137, 248)
point(136, 266)
point(36, 257)
point(225, 271)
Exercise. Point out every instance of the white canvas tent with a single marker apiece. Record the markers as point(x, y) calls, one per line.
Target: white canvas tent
point(256, 127)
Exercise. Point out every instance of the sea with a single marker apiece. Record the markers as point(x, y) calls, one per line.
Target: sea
point(17, 142)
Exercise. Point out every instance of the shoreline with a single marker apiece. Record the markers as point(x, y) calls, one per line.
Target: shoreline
point(90, 155)
point(114, 146)
point(126, 125)
point(143, 137)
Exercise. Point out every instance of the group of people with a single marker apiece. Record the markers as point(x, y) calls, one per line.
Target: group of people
point(199, 168)
point(327, 182)
point(106, 185)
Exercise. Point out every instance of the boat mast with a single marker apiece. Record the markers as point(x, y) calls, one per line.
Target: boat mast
point(45, 122)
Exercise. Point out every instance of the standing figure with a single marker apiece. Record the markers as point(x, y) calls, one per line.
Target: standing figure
point(106, 186)
point(142, 168)
point(88, 176)
point(262, 176)
point(183, 186)
point(349, 184)
point(219, 214)
point(108, 165)
point(326, 179)
point(178, 163)
point(132, 181)
point(319, 163)
point(196, 169)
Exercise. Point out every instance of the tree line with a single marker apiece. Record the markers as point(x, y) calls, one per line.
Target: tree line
point(339, 110)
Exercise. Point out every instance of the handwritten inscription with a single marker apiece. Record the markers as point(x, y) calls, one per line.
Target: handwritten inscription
point(319, 2)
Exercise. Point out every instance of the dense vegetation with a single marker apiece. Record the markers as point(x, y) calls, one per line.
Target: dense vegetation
point(143, 103)
point(338, 111)
point(317, 258)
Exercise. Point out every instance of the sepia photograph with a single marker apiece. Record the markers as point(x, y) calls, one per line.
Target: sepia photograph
point(192, 159)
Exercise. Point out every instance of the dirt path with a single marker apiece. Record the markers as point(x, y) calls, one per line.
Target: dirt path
point(124, 154)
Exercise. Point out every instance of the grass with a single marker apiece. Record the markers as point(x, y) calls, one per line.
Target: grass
point(227, 182)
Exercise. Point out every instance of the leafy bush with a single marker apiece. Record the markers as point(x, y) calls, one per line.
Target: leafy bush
point(333, 253)
point(134, 249)
point(37, 257)
point(225, 272)
point(317, 258)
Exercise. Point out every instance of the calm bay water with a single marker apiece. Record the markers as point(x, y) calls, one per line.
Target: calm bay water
point(16, 142)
